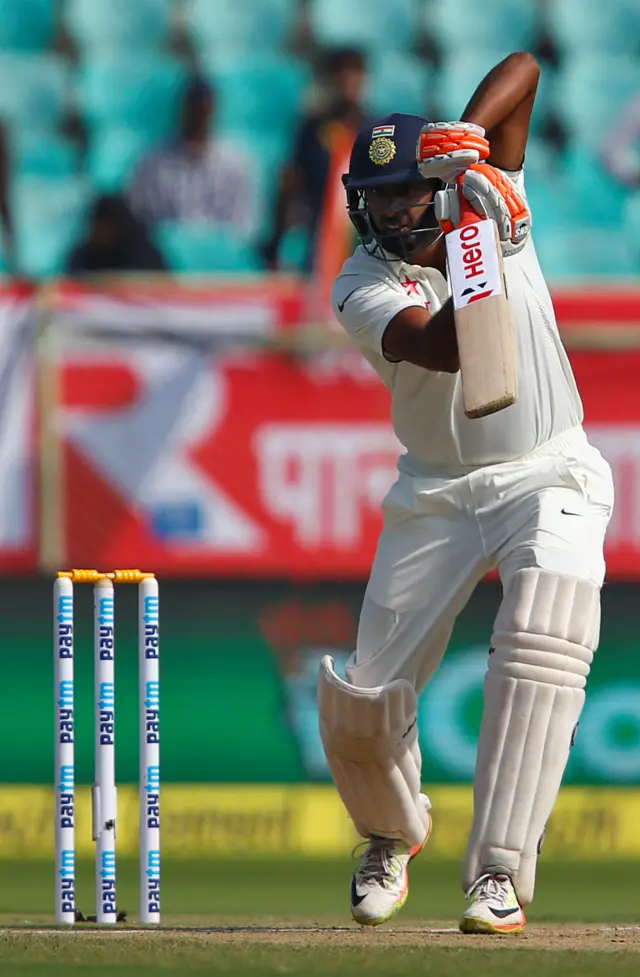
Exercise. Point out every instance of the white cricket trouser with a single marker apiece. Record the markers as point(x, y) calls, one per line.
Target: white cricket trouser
point(549, 509)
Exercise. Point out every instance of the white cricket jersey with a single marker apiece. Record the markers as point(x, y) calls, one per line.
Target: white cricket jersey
point(427, 408)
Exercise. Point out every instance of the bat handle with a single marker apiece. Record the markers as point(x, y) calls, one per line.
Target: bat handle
point(467, 213)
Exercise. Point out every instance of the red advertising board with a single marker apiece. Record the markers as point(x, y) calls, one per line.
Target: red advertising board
point(266, 467)
point(279, 469)
point(227, 460)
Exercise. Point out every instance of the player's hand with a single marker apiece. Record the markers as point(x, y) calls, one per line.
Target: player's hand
point(447, 149)
point(492, 195)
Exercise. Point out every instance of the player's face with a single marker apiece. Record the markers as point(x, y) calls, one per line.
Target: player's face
point(398, 207)
point(349, 82)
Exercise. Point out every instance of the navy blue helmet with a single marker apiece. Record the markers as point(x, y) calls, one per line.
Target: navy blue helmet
point(384, 154)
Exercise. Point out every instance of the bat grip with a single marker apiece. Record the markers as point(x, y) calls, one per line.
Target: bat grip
point(467, 213)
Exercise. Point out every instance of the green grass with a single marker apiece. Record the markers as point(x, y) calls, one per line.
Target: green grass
point(305, 892)
point(126, 959)
point(597, 892)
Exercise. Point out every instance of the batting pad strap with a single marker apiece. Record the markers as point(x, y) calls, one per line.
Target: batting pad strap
point(370, 738)
point(545, 634)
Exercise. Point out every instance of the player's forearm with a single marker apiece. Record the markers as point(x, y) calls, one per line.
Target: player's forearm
point(413, 336)
point(503, 90)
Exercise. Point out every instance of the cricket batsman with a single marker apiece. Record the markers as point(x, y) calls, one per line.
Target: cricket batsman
point(521, 490)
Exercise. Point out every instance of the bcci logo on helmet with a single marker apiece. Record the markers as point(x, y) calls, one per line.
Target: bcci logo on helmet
point(382, 150)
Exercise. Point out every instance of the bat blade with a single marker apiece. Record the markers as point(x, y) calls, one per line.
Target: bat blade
point(485, 330)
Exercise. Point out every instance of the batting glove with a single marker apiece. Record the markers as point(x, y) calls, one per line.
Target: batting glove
point(492, 195)
point(447, 149)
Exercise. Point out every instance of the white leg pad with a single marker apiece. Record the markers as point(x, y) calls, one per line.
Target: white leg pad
point(370, 738)
point(546, 632)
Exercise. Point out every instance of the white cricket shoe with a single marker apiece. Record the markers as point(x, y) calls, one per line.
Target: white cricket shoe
point(494, 907)
point(380, 884)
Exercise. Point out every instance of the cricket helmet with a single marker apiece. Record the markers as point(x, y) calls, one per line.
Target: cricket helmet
point(384, 154)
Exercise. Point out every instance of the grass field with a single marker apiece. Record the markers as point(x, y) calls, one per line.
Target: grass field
point(291, 917)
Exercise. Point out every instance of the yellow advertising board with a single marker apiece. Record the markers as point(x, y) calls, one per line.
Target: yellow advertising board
point(248, 820)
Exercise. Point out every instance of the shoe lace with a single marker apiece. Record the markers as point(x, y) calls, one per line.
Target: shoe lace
point(494, 887)
point(377, 860)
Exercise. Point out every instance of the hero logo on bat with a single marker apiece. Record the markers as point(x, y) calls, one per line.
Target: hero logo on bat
point(473, 263)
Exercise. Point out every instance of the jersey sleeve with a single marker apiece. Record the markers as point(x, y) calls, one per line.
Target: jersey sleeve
point(365, 307)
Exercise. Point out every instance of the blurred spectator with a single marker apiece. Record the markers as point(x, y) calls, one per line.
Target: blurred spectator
point(116, 242)
point(196, 177)
point(323, 138)
point(621, 152)
point(5, 207)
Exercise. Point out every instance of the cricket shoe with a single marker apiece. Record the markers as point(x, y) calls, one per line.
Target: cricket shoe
point(380, 884)
point(494, 907)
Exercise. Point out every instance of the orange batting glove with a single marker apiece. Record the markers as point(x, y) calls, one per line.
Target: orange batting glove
point(447, 149)
point(492, 195)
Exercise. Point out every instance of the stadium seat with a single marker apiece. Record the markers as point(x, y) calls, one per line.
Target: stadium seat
point(373, 25)
point(113, 154)
point(591, 92)
point(463, 70)
point(223, 26)
point(263, 94)
point(204, 248)
point(573, 190)
point(489, 25)
point(399, 83)
point(26, 25)
point(542, 161)
point(599, 197)
point(588, 252)
point(631, 227)
point(294, 250)
point(49, 218)
point(604, 28)
point(272, 151)
point(458, 77)
point(33, 90)
point(142, 92)
point(36, 153)
point(552, 202)
point(121, 24)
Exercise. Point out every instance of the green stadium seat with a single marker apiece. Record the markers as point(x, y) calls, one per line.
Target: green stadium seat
point(35, 153)
point(293, 253)
point(272, 151)
point(113, 154)
point(604, 28)
point(399, 83)
point(463, 70)
point(132, 25)
point(34, 89)
point(552, 202)
point(142, 92)
point(599, 198)
point(459, 74)
point(591, 91)
point(543, 162)
point(372, 25)
point(261, 94)
point(487, 25)
point(588, 252)
point(26, 25)
point(49, 218)
point(204, 248)
point(220, 26)
point(631, 227)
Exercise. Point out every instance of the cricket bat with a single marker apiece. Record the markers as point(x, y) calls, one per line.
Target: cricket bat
point(487, 342)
